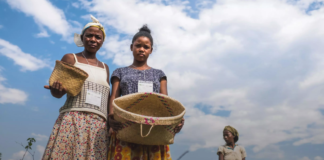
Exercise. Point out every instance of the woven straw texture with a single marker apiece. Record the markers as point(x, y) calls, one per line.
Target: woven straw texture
point(155, 115)
point(71, 77)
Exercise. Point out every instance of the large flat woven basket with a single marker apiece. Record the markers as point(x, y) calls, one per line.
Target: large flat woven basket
point(147, 118)
point(71, 77)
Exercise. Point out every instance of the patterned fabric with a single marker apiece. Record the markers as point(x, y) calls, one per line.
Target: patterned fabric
point(120, 150)
point(129, 78)
point(77, 136)
point(78, 101)
point(238, 153)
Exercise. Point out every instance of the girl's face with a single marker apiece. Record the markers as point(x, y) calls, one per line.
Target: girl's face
point(141, 48)
point(92, 39)
point(228, 137)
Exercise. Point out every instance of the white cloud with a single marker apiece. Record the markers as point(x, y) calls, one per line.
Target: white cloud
point(314, 137)
point(304, 158)
point(318, 158)
point(36, 109)
point(40, 150)
point(259, 59)
point(270, 152)
point(43, 33)
point(75, 4)
point(20, 154)
point(40, 137)
point(11, 95)
point(54, 19)
point(25, 60)
point(1, 26)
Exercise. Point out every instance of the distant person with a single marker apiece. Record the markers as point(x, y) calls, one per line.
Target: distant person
point(80, 131)
point(231, 151)
point(125, 81)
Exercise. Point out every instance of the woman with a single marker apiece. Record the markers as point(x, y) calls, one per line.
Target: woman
point(80, 132)
point(231, 151)
point(125, 81)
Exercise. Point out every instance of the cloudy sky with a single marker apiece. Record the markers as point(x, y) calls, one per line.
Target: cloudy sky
point(254, 64)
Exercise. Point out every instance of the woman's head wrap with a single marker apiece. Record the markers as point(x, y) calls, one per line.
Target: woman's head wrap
point(94, 23)
point(232, 130)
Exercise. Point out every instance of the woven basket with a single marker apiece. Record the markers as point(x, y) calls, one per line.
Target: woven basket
point(147, 118)
point(71, 77)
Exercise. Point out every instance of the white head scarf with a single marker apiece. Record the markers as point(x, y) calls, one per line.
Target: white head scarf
point(94, 23)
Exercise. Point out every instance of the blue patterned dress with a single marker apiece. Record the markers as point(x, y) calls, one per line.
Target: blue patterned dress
point(120, 150)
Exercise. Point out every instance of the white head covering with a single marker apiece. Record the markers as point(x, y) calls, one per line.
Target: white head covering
point(94, 23)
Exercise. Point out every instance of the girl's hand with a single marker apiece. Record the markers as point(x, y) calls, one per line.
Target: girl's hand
point(110, 132)
point(114, 125)
point(179, 127)
point(57, 89)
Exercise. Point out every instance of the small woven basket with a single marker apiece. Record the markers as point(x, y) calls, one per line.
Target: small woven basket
point(71, 77)
point(147, 118)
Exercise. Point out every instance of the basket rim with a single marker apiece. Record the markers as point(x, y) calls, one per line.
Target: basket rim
point(162, 120)
point(72, 66)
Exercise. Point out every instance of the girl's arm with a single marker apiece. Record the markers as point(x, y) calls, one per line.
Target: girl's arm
point(220, 156)
point(57, 89)
point(115, 93)
point(164, 90)
point(163, 86)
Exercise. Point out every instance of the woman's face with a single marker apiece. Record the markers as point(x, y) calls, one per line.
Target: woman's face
point(92, 39)
point(141, 49)
point(228, 136)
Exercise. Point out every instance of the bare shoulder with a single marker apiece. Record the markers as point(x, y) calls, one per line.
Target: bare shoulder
point(68, 58)
point(107, 70)
point(107, 67)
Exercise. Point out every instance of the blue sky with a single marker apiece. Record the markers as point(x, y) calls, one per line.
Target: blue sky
point(256, 65)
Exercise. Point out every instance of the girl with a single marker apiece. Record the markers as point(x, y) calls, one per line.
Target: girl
point(125, 81)
point(231, 151)
point(80, 131)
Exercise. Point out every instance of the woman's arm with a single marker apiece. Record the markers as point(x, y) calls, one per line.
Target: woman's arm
point(115, 93)
point(107, 69)
point(57, 89)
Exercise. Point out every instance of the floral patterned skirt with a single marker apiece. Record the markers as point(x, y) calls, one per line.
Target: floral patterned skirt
point(78, 135)
point(120, 150)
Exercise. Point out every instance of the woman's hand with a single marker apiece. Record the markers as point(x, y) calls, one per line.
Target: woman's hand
point(114, 125)
point(57, 89)
point(179, 127)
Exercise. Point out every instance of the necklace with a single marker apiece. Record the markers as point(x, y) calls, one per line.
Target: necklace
point(137, 67)
point(87, 59)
